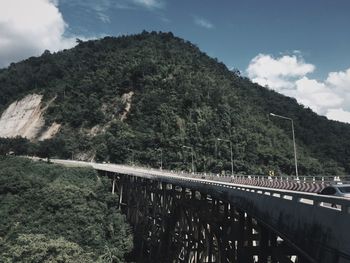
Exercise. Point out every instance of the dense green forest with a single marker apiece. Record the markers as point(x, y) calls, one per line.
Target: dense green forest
point(179, 96)
point(50, 213)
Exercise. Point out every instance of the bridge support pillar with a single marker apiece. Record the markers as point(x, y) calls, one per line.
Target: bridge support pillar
point(179, 225)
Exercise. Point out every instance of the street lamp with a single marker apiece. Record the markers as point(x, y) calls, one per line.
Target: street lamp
point(294, 145)
point(191, 148)
point(132, 156)
point(161, 158)
point(224, 140)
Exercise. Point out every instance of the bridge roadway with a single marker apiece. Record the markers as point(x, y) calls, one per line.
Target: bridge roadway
point(309, 222)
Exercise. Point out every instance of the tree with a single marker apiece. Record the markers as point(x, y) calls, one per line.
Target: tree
point(4, 146)
point(39, 248)
point(51, 213)
point(49, 147)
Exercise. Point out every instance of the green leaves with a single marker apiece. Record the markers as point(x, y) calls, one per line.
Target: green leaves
point(33, 248)
point(50, 213)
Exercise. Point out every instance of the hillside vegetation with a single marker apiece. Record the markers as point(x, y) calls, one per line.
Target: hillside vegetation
point(125, 99)
point(50, 213)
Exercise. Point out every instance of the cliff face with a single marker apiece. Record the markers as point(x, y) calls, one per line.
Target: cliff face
point(25, 118)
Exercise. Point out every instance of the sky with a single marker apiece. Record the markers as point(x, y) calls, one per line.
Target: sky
point(300, 48)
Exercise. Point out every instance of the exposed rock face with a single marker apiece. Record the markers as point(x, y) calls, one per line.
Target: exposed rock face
point(126, 98)
point(50, 132)
point(25, 118)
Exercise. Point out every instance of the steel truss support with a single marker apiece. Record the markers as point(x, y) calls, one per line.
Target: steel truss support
point(179, 225)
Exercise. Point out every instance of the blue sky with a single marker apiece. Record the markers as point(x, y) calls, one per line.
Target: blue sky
point(298, 48)
point(240, 29)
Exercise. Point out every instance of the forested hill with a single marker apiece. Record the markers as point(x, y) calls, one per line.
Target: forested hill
point(123, 99)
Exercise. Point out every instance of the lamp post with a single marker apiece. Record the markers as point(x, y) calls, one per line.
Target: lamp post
point(191, 148)
point(224, 140)
point(294, 145)
point(161, 158)
point(132, 156)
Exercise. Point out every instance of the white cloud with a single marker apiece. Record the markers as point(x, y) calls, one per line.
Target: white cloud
point(203, 22)
point(277, 73)
point(100, 8)
point(316, 95)
point(338, 115)
point(132, 4)
point(103, 17)
point(340, 79)
point(287, 74)
point(103, 8)
point(27, 28)
point(149, 3)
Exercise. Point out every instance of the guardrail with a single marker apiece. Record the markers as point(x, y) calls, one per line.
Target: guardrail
point(337, 204)
point(334, 203)
point(301, 179)
point(302, 183)
point(336, 179)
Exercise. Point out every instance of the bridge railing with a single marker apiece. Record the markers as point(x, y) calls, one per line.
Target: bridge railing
point(300, 179)
point(337, 204)
point(311, 184)
point(335, 179)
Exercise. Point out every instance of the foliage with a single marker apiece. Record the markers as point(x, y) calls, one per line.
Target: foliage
point(50, 213)
point(17, 146)
point(39, 248)
point(181, 97)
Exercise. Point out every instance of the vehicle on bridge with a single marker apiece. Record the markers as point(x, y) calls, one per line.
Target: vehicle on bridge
point(341, 190)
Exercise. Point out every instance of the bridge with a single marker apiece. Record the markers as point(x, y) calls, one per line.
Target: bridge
point(179, 217)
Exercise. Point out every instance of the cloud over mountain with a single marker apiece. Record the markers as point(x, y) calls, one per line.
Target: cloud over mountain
point(287, 74)
point(27, 28)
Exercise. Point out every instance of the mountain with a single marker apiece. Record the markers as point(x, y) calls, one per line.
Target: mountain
point(135, 98)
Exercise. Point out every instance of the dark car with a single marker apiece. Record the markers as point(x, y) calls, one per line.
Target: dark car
point(342, 190)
